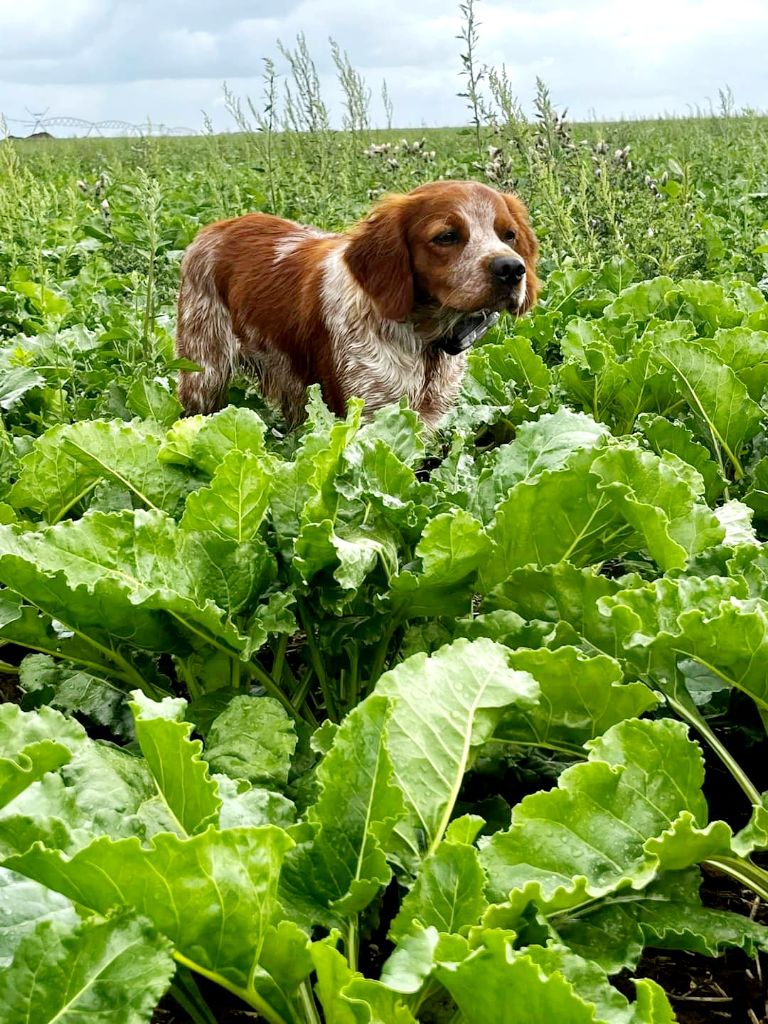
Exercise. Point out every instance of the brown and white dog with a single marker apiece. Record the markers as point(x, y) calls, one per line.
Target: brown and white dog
point(377, 312)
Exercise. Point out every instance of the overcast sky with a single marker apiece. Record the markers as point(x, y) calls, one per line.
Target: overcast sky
point(166, 59)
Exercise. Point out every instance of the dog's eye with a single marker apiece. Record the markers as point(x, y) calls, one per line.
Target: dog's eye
point(510, 235)
point(448, 237)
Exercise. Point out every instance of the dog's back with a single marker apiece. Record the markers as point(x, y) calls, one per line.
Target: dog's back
point(248, 296)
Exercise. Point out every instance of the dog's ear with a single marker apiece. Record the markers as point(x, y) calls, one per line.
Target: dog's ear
point(380, 260)
point(527, 246)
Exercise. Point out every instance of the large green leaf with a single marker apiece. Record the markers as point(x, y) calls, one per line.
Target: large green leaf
point(564, 596)
point(561, 515)
point(715, 395)
point(613, 385)
point(350, 555)
point(704, 621)
point(68, 461)
point(8, 467)
point(746, 352)
point(664, 435)
point(399, 429)
point(756, 495)
point(27, 626)
point(253, 739)
point(444, 707)
point(452, 549)
point(173, 757)
point(642, 299)
point(153, 400)
point(25, 904)
point(304, 489)
point(349, 998)
point(506, 379)
point(205, 441)
point(673, 917)
point(31, 744)
point(133, 575)
point(343, 866)
point(103, 790)
point(213, 895)
point(598, 507)
point(581, 697)
point(377, 480)
point(232, 429)
point(235, 502)
point(668, 914)
point(660, 498)
point(99, 971)
point(495, 982)
point(543, 444)
point(16, 382)
point(45, 681)
point(587, 837)
point(448, 893)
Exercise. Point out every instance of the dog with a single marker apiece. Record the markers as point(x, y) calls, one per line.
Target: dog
point(380, 311)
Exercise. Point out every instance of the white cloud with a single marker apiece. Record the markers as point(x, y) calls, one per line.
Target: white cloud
point(101, 59)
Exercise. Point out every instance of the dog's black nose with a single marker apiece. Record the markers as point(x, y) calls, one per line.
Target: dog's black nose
point(509, 269)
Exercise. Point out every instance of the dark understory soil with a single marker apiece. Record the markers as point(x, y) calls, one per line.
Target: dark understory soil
point(733, 988)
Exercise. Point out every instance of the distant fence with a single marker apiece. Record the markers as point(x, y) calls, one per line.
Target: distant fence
point(36, 124)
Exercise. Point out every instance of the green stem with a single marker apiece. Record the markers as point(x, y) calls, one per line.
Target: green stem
point(184, 992)
point(188, 676)
point(557, 748)
point(203, 636)
point(352, 949)
point(308, 1003)
point(354, 676)
point(317, 663)
point(110, 471)
point(271, 687)
point(130, 673)
point(380, 655)
point(420, 998)
point(744, 871)
point(249, 996)
point(53, 652)
point(287, 676)
point(149, 303)
point(63, 511)
point(300, 699)
point(279, 662)
point(697, 722)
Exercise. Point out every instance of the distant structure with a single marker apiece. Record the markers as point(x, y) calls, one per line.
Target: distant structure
point(37, 126)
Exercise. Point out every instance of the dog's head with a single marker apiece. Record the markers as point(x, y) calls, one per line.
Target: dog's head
point(458, 245)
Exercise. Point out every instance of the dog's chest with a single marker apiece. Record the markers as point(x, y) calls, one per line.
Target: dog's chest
point(381, 360)
point(383, 369)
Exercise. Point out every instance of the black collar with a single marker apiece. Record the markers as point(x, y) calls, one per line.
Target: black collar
point(466, 332)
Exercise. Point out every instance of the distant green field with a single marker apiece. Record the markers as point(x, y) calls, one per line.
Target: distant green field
point(389, 642)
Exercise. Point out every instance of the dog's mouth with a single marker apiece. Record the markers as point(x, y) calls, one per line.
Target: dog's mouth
point(467, 331)
point(452, 330)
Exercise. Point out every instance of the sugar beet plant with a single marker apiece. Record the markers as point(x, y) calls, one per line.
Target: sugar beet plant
point(359, 623)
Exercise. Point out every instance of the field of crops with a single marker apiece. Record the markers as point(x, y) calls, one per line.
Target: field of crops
point(359, 724)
